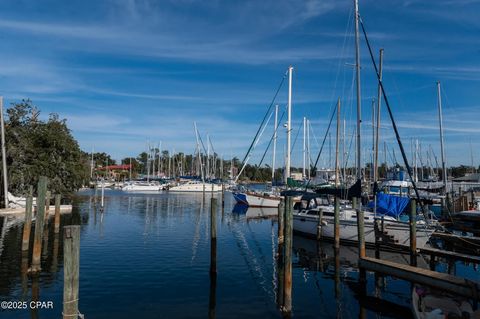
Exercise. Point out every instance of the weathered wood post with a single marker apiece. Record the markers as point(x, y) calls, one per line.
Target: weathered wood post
point(71, 271)
point(413, 233)
point(281, 223)
point(376, 229)
point(336, 222)
point(48, 195)
point(27, 226)
point(39, 219)
point(57, 213)
point(287, 299)
point(361, 238)
point(280, 253)
point(213, 236)
point(319, 224)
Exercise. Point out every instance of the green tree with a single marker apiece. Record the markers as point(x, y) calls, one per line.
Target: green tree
point(36, 148)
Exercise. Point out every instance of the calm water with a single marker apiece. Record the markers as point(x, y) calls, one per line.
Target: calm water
point(147, 256)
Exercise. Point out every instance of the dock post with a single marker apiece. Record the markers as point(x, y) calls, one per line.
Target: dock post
point(213, 236)
point(281, 223)
point(48, 195)
point(336, 222)
point(280, 254)
point(27, 226)
point(319, 224)
point(71, 272)
point(354, 203)
point(57, 213)
point(287, 299)
point(413, 233)
point(39, 219)
point(361, 238)
point(376, 229)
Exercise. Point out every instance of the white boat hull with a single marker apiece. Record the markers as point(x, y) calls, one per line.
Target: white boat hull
point(262, 201)
point(196, 187)
point(307, 225)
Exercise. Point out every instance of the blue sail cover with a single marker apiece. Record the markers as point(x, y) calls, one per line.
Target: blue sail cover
point(390, 205)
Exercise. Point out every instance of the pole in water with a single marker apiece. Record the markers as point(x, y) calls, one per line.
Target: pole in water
point(71, 272)
point(27, 226)
point(39, 220)
point(413, 233)
point(337, 224)
point(213, 236)
point(280, 254)
point(48, 195)
point(287, 299)
point(361, 239)
point(57, 213)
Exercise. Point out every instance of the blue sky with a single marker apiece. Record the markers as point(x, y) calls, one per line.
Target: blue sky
point(124, 72)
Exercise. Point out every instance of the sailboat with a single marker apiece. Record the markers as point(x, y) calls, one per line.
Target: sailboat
point(270, 199)
point(195, 185)
point(306, 218)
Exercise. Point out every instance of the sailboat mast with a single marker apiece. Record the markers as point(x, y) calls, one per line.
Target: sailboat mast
point(337, 144)
point(304, 146)
point(377, 130)
point(308, 150)
point(289, 124)
point(198, 151)
point(4, 156)
point(440, 120)
point(359, 103)
point(274, 142)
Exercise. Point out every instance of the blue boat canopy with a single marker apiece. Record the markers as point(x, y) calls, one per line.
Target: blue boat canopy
point(390, 205)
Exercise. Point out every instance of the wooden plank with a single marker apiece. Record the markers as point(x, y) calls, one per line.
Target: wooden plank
point(450, 254)
point(466, 239)
point(426, 277)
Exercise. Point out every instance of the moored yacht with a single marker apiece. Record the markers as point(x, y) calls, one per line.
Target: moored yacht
point(196, 186)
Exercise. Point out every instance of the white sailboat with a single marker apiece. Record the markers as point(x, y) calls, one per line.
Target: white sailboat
point(270, 199)
point(306, 220)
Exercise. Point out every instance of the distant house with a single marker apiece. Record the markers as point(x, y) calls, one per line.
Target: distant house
point(470, 178)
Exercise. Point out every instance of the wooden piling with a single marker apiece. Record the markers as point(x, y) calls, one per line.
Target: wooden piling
point(336, 222)
point(287, 299)
point(39, 220)
point(213, 236)
point(57, 213)
point(48, 194)
point(413, 232)
point(280, 254)
point(361, 241)
point(281, 223)
point(71, 271)
point(27, 226)
point(319, 224)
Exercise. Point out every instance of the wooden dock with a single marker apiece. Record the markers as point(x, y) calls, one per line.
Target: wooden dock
point(455, 285)
point(20, 211)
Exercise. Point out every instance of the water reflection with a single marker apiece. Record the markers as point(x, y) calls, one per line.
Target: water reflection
point(149, 256)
